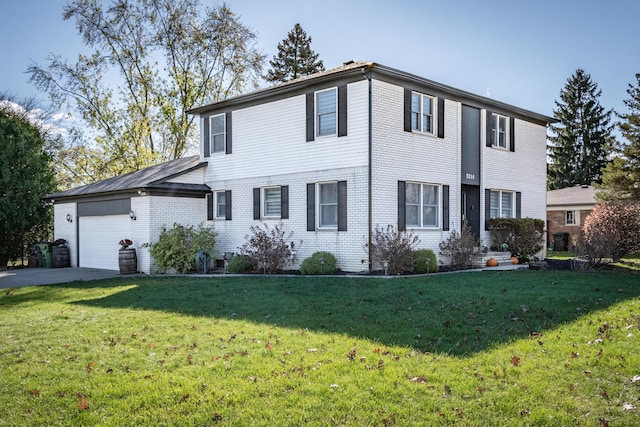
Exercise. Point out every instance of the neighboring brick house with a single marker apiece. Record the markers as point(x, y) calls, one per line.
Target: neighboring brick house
point(334, 154)
point(567, 210)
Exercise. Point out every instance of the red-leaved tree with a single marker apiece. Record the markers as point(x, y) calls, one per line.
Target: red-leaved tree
point(612, 230)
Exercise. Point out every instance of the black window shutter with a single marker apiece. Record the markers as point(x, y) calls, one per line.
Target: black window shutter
point(284, 202)
point(227, 205)
point(407, 110)
point(445, 208)
point(207, 144)
point(310, 117)
point(342, 110)
point(518, 204)
point(256, 203)
point(402, 211)
point(228, 129)
point(512, 134)
point(342, 205)
point(311, 207)
point(209, 198)
point(489, 141)
point(487, 208)
point(440, 117)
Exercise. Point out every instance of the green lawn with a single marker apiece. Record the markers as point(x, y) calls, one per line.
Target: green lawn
point(476, 348)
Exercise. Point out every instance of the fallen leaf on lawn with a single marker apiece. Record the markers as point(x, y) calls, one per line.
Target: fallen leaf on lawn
point(312, 350)
point(83, 404)
point(628, 407)
point(515, 360)
point(574, 355)
point(604, 423)
point(184, 397)
point(459, 412)
point(333, 386)
point(420, 380)
point(34, 392)
point(635, 378)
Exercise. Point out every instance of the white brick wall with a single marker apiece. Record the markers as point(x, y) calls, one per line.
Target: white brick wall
point(64, 229)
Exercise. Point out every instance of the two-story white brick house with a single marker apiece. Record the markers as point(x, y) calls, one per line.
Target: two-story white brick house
point(332, 155)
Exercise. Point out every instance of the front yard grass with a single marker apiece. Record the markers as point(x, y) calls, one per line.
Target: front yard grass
point(474, 348)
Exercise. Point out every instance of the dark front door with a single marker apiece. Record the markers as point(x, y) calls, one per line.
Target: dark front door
point(471, 208)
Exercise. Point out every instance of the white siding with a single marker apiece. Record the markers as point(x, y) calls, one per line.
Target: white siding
point(193, 177)
point(270, 139)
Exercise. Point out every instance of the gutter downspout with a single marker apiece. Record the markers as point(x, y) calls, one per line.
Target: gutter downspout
point(370, 175)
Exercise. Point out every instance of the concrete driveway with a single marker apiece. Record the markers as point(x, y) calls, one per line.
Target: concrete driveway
point(46, 276)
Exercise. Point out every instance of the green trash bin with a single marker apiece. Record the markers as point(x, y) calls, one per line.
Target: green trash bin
point(47, 259)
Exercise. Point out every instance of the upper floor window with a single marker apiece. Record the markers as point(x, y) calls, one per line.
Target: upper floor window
point(422, 205)
point(326, 108)
point(501, 204)
point(422, 113)
point(499, 131)
point(218, 133)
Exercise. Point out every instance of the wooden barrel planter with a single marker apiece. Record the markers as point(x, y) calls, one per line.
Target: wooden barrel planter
point(128, 261)
point(61, 256)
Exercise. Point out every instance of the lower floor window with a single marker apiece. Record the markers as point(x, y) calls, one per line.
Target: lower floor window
point(272, 202)
point(220, 204)
point(570, 218)
point(422, 202)
point(501, 204)
point(328, 204)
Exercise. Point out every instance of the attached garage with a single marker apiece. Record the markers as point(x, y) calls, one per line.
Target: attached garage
point(95, 217)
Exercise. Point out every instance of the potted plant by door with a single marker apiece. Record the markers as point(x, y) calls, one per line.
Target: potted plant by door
point(127, 258)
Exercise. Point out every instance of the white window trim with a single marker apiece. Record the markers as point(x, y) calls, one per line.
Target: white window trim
point(263, 206)
point(319, 206)
point(317, 114)
point(211, 134)
point(494, 136)
point(421, 207)
point(434, 112)
point(513, 203)
point(576, 218)
point(216, 205)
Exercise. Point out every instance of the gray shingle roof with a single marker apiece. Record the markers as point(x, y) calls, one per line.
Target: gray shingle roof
point(578, 195)
point(153, 177)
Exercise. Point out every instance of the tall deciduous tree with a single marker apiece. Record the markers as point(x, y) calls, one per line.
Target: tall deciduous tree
point(621, 177)
point(153, 60)
point(582, 139)
point(25, 177)
point(295, 58)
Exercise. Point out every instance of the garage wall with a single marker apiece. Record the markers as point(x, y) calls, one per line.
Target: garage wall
point(63, 229)
point(165, 211)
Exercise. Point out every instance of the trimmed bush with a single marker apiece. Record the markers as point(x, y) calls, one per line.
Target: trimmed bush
point(240, 264)
point(420, 258)
point(612, 230)
point(524, 237)
point(313, 264)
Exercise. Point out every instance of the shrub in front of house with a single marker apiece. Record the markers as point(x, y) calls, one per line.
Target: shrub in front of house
point(240, 264)
point(420, 264)
point(461, 248)
point(523, 237)
point(611, 230)
point(176, 247)
point(319, 263)
point(269, 248)
point(394, 248)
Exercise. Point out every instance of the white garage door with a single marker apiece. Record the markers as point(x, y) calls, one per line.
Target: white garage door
point(99, 237)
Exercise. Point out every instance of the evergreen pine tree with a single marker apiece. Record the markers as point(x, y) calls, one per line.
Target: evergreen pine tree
point(295, 58)
point(621, 178)
point(582, 139)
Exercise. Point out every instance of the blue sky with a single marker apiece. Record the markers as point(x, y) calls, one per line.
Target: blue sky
point(518, 52)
